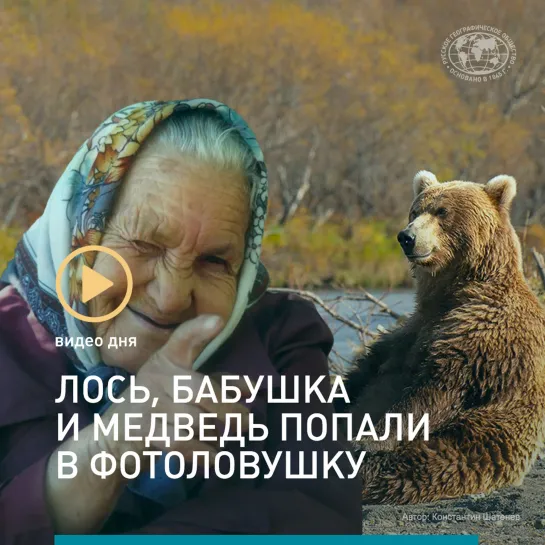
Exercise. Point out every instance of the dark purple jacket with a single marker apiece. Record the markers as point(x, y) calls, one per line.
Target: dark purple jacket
point(280, 335)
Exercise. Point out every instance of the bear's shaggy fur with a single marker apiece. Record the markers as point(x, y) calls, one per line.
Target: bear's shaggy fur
point(472, 355)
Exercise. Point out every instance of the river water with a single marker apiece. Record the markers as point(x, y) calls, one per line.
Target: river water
point(364, 313)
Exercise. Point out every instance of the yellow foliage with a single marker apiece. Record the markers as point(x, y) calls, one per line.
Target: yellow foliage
point(8, 241)
point(293, 70)
point(261, 58)
point(366, 254)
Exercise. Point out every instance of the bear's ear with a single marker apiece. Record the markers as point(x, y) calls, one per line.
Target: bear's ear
point(502, 190)
point(423, 180)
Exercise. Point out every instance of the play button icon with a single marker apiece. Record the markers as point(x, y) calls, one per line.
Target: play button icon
point(92, 283)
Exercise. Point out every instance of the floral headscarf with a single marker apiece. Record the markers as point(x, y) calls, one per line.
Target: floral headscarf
point(80, 204)
point(76, 216)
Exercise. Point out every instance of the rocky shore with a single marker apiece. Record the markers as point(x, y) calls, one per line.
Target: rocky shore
point(512, 516)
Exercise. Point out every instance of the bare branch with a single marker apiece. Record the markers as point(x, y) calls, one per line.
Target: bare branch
point(366, 296)
point(540, 262)
point(533, 75)
point(12, 211)
point(323, 218)
point(320, 302)
point(340, 357)
point(304, 186)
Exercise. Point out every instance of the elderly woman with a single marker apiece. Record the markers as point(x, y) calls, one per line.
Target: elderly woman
point(179, 190)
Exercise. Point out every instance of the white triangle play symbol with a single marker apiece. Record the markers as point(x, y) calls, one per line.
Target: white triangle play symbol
point(92, 284)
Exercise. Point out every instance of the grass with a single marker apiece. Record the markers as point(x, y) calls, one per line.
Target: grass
point(8, 241)
point(337, 253)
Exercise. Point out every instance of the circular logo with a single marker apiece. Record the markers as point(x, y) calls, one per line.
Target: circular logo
point(93, 284)
point(478, 53)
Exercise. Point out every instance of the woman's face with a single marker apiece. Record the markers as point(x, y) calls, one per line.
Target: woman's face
point(180, 225)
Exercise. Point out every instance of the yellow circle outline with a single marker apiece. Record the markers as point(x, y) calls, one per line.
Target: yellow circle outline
point(74, 313)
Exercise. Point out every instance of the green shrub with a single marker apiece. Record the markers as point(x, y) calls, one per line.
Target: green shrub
point(8, 241)
point(338, 253)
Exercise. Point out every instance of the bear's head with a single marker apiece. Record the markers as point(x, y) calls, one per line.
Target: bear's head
point(461, 227)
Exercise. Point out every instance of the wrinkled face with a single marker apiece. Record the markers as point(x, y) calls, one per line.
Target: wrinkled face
point(180, 225)
point(453, 220)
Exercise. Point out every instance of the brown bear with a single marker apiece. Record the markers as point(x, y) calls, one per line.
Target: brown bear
point(472, 356)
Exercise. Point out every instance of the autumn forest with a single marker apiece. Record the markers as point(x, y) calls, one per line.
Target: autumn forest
point(348, 98)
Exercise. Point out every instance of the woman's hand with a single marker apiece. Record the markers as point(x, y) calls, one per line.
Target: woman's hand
point(73, 512)
point(176, 357)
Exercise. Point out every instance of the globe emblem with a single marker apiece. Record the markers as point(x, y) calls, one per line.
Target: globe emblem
point(478, 53)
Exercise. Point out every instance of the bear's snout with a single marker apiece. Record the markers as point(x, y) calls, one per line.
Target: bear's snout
point(407, 240)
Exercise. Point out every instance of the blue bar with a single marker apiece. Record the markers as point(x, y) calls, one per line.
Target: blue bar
point(267, 540)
